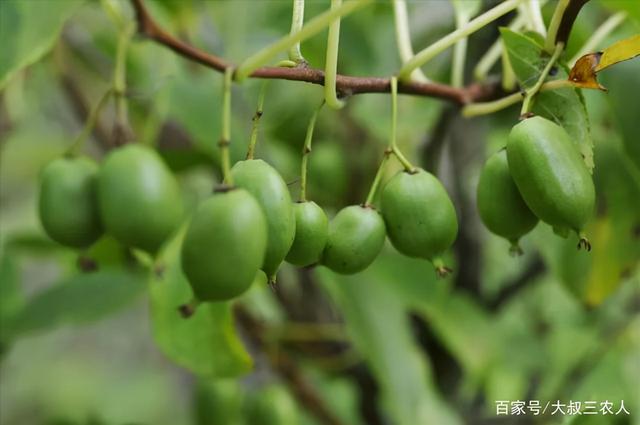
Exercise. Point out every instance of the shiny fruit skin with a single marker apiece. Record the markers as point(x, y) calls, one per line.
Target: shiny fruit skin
point(224, 246)
point(550, 174)
point(356, 237)
point(312, 227)
point(501, 207)
point(265, 184)
point(419, 215)
point(68, 203)
point(139, 198)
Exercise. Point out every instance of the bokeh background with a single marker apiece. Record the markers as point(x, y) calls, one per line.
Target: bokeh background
point(391, 345)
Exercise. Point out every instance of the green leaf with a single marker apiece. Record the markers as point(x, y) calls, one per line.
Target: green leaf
point(525, 56)
point(80, 299)
point(206, 343)
point(28, 30)
point(377, 320)
point(565, 106)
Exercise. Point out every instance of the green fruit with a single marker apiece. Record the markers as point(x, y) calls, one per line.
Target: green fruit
point(551, 175)
point(224, 246)
point(68, 204)
point(265, 184)
point(500, 204)
point(311, 234)
point(139, 198)
point(217, 402)
point(356, 236)
point(420, 217)
point(272, 405)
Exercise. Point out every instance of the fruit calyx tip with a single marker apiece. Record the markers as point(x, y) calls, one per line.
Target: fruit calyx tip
point(584, 243)
point(271, 281)
point(187, 310)
point(515, 250)
point(442, 271)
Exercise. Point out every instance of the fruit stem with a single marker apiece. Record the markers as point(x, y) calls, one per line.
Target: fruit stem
point(450, 39)
point(530, 94)
point(225, 139)
point(554, 25)
point(392, 149)
point(403, 38)
point(331, 61)
point(459, 52)
point(122, 127)
point(484, 108)
point(393, 144)
point(92, 119)
point(313, 27)
point(255, 121)
point(377, 179)
point(297, 20)
point(306, 151)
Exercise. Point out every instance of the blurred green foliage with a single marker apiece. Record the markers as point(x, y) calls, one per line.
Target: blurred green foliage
point(108, 347)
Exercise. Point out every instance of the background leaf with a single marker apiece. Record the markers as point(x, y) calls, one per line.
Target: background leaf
point(377, 319)
point(82, 298)
point(32, 27)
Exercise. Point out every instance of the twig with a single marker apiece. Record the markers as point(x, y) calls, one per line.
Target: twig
point(345, 85)
point(301, 388)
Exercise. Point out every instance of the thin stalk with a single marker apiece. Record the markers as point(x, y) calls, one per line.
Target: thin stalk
point(599, 35)
point(255, 121)
point(225, 139)
point(509, 79)
point(120, 78)
point(530, 94)
point(297, 20)
point(114, 11)
point(484, 108)
point(378, 178)
point(554, 26)
point(531, 9)
point(312, 28)
point(403, 38)
point(492, 55)
point(447, 41)
point(459, 55)
point(393, 143)
point(306, 151)
point(392, 149)
point(331, 62)
point(82, 137)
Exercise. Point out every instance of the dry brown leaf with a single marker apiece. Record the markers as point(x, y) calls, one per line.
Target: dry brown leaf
point(584, 73)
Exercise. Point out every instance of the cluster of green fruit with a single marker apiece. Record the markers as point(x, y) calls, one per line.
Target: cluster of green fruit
point(539, 176)
point(133, 196)
point(253, 223)
point(250, 225)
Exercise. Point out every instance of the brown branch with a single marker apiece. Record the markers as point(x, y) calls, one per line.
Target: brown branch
point(345, 85)
point(300, 386)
